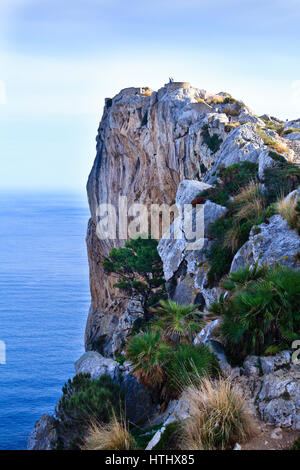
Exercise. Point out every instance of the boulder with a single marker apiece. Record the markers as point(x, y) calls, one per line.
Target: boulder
point(272, 363)
point(207, 333)
point(251, 366)
point(278, 412)
point(138, 401)
point(96, 365)
point(172, 251)
point(269, 243)
point(188, 190)
point(264, 162)
point(44, 435)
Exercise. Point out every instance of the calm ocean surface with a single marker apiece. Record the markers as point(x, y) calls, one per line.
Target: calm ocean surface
point(44, 300)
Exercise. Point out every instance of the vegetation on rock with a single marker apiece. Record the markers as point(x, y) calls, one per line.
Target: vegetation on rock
point(164, 358)
point(213, 142)
point(187, 364)
point(149, 354)
point(219, 417)
point(260, 310)
point(139, 267)
point(177, 322)
point(84, 400)
point(114, 435)
point(230, 181)
point(272, 143)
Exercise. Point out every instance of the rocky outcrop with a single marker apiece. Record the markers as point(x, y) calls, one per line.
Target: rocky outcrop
point(185, 263)
point(295, 124)
point(243, 143)
point(44, 434)
point(269, 243)
point(139, 404)
point(275, 385)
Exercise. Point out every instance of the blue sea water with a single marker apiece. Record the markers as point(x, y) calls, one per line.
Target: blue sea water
point(44, 300)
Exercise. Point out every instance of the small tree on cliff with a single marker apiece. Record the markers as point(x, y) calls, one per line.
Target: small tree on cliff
point(139, 268)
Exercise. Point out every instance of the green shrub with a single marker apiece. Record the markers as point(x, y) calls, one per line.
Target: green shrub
point(261, 309)
point(232, 180)
point(282, 179)
point(187, 364)
point(213, 142)
point(177, 322)
point(149, 354)
point(290, 131)
point(84, 399)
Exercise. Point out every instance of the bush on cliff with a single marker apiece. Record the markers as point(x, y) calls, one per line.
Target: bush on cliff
point(213, 142)
point(163, 357)
point(281, 179)
point(149, 354)
point(247, 206)
point(246, 209)
point(139, 269)
point(231, 180)
point(187, 364)
point(177, 322)
point(260, 310)
point(83, 400)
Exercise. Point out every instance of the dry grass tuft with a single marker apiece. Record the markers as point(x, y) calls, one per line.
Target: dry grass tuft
point(249, 204)
point(219, 417)
point(112, 436)
point(216, 99)
point(287, 209)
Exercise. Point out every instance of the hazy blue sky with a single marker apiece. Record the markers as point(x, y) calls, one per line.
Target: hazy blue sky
point(59, 59)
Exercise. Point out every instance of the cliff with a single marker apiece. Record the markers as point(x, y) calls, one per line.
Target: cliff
point(147, 143)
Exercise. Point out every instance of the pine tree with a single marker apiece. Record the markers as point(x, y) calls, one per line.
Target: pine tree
point(139, 268)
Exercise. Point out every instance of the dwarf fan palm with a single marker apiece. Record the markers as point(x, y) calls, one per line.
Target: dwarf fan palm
point(177, 322)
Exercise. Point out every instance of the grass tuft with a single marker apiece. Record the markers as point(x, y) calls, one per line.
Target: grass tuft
point(114, 435)
point(219, 417)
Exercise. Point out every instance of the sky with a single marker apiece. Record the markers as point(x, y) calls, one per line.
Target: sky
point(60, 59)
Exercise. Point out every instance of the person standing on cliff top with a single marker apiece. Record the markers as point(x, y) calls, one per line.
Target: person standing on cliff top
point(171, 79)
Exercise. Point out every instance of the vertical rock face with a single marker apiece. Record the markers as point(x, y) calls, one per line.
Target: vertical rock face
point(145, 146)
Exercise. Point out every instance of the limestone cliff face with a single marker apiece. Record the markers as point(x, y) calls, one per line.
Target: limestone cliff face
point(145, 146)
point(147, 143)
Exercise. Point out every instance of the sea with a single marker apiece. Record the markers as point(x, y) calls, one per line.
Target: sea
point(44, 301)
